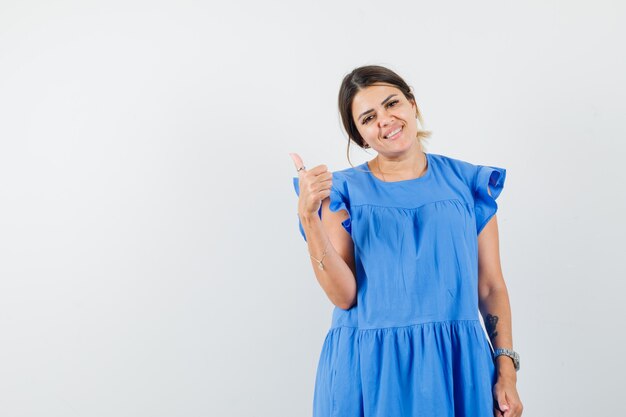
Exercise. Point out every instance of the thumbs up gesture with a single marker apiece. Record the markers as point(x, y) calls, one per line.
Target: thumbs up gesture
point(315, 186)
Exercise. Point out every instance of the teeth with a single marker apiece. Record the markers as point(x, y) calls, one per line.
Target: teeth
point(393, 133)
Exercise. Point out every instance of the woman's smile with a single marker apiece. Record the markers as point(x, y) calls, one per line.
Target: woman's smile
point(394, 134)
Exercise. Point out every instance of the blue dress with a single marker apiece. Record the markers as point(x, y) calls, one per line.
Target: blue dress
point(413, 344)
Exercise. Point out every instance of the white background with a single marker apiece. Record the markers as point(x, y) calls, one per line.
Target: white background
point(150, 258)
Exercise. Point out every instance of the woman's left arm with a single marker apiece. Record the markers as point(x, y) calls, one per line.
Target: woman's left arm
point(496, 312)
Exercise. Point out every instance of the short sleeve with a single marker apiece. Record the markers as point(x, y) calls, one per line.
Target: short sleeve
point(338, 201)
point(485, 205)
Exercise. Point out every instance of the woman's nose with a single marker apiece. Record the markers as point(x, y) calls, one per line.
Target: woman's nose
point(386, 119)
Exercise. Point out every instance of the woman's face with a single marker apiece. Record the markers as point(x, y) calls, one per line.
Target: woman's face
point(379, 111)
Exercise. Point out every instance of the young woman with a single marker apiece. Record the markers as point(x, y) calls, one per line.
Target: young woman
point(406, 248)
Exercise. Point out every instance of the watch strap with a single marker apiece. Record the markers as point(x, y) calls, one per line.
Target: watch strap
point(510, 353)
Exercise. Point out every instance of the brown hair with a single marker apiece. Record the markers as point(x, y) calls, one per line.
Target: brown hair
point(361, 78)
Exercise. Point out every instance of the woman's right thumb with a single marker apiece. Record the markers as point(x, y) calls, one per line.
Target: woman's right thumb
point(297, 162)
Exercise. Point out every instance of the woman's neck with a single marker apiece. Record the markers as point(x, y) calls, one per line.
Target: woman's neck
point(413, 166)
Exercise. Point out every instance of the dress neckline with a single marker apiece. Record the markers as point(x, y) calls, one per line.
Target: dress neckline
point(426, 175)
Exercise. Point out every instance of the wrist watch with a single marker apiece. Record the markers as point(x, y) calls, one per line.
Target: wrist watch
point(510, 353)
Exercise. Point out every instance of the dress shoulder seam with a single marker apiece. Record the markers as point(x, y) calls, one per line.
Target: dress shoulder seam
point(410, 208)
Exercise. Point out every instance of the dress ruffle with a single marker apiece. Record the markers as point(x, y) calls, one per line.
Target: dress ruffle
point(337, 202)
point(442, 368)
point(485, 205)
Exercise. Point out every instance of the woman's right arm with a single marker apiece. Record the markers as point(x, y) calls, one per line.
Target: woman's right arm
point(323, 230)
point(337, 279)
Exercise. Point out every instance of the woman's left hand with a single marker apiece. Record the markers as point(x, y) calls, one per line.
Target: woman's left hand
point(506, 400)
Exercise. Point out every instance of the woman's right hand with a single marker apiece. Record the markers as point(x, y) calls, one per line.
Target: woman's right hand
point(314, 186)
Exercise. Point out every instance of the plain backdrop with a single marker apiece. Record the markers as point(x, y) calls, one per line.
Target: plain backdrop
point(150, 258)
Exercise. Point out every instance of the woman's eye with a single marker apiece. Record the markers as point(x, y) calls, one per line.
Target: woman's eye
point(390, 104)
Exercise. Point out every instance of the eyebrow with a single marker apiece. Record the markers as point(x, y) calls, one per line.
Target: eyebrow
point(371, 110)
